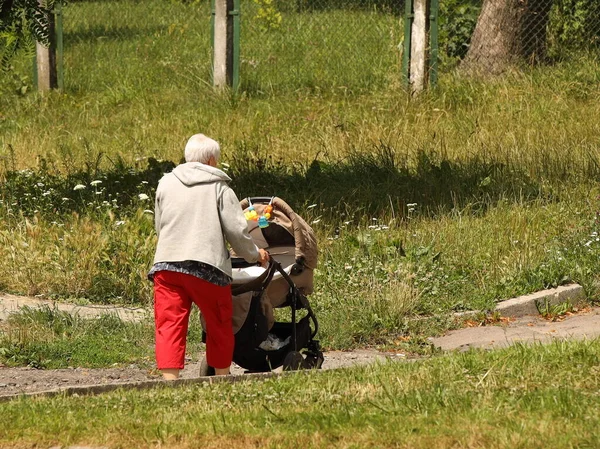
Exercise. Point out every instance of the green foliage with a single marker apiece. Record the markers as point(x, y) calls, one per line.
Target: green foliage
point(267, 15)
point(574, 25)
point(22, 22)
point(456, 25)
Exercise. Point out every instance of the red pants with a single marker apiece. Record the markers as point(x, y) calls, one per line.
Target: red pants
point(174, 294)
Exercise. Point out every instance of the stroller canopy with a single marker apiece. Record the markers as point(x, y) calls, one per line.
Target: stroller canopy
point(286, 228)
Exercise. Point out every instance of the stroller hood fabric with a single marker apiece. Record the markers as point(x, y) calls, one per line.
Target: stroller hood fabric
point(305, 241)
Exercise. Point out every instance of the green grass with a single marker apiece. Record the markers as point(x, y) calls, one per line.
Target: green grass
point(477, 191)
point(48, 338)
point(533, 397)
point(503, 172)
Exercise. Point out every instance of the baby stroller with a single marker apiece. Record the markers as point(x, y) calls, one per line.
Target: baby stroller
point(263, 344)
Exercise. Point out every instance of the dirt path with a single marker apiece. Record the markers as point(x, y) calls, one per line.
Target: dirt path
point(12, 303)
point(585, 324)
point(29, 380)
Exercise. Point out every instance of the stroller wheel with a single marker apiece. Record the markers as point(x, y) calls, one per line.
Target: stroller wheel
point(314, 360)
point(206, 369)
point(293, 361)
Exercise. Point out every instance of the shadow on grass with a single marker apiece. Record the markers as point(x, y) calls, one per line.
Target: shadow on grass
point(89, 189)
point(363, 185)
point(95, 33)
point(380, 183)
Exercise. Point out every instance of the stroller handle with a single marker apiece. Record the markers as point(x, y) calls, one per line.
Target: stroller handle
point(239, 262)
point(260, 199)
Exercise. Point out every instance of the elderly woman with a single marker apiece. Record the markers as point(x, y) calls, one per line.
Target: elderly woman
point(196, 213)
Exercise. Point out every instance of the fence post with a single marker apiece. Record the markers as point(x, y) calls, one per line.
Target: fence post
point(212, 38)
point(60, 68)
point(420, 53)
point(408, 17)
point(418, 50)
point(46, 74)
point(434, 41)
point(226, 32)
point(235, 79)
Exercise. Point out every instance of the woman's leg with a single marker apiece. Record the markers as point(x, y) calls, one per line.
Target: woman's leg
point(172, 307)
point(216, 307)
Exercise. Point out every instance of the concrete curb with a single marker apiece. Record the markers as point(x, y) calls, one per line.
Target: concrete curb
point(87, 390)
point(528, 304)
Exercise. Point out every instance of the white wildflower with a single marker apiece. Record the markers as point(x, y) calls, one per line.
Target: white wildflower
point(148, 211)
point(79, 187)
point(119, 223)
point(311, 206)
point(143, 197)
point(95, 183)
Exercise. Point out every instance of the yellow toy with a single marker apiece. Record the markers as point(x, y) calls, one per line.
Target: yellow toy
point(263, 220)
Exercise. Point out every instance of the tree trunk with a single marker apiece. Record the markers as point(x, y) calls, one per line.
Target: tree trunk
point(507, 32)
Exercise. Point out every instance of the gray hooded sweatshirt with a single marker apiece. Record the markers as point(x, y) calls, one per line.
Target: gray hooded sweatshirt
point(195, 214)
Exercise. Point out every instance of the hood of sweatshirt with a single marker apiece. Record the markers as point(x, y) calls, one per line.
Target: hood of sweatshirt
point(192, 173)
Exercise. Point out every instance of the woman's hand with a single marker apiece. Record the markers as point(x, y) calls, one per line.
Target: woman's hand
point(264, 257)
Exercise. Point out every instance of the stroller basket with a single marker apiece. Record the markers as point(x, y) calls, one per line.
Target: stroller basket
point(249, 353)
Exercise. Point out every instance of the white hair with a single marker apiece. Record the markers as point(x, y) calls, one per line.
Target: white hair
point(200, 148)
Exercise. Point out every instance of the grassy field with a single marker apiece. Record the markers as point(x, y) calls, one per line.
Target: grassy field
point(539, 397)
point(475, 192)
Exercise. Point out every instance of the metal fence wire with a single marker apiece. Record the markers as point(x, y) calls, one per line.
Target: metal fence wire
point(341, 44)
point(316, 44)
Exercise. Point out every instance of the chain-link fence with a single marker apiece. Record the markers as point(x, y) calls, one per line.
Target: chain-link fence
point(286, 45)
point(321, 44)
point(127, 46)
point(358, 44)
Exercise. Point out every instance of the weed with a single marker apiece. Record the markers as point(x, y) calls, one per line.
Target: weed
point(553, 312)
